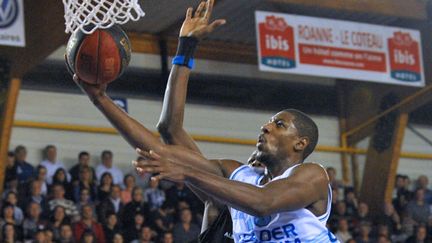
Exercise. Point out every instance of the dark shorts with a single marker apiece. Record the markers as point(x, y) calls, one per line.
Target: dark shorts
point(220, 231)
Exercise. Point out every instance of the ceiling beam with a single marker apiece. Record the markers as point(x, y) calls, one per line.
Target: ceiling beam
point(407, 105)
point(415, 9)
point(210, 50)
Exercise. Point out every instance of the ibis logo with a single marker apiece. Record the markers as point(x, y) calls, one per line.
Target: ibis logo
point(276, 43)
point(404, 53)
point(8, 12)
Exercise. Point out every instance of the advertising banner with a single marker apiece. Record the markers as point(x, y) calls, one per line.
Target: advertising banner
point(338, 49)
point(12, 31)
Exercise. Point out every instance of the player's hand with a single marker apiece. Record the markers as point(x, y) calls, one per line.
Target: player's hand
point(161, 166)
point(92, 90)
point(197, 24)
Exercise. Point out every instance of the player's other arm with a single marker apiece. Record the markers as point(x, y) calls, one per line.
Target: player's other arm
point(305, 186)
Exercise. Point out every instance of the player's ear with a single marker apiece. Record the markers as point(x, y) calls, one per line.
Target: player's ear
point(301, 143)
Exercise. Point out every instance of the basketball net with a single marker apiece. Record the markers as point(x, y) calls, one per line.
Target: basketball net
point(89, 15)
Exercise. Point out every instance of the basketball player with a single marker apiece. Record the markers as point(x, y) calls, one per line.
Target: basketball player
point(288, 208)
point(195, 27)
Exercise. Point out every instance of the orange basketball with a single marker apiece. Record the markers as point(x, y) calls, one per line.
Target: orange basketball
point(100, 57)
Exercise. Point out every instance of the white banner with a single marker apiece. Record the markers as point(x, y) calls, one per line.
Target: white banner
point(338, 49)
point(12, 31)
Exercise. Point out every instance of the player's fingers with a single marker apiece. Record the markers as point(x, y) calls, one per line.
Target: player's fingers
point(154, 155)
point(140, 171)
point(199, 9)
point(152, 169)
point(145, 163)
point(143, 153)
point(189, 12)
point(209, 9)
point(159, 177)
point(216, 24)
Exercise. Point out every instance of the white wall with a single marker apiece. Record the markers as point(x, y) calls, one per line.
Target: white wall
point(199, 119)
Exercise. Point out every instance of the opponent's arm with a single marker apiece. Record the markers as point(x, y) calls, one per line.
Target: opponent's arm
point(194, 28)
point(306, 185)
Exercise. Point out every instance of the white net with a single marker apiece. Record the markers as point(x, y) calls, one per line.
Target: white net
point(89, 15)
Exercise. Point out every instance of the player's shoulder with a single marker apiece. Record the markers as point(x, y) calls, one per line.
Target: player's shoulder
point(228, 166)
point(311, 169)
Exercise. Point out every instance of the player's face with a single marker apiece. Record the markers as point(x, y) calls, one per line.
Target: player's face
point(278, 139)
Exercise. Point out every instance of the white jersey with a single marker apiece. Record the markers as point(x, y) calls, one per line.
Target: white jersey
point(285, 227)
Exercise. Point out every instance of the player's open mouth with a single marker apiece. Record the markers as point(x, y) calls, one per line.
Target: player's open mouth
point(260, 141)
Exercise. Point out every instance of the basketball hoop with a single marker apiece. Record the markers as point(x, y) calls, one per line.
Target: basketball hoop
point(89, 15)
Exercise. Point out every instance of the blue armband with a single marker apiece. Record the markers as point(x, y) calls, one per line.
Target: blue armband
point(181, 60)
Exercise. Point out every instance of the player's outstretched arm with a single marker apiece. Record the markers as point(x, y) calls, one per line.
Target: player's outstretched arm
point(306, 185)
point(195, 27)
point(135, 134)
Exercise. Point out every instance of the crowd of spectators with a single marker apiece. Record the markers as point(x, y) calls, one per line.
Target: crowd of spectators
point(52, 203)
point(407, 219)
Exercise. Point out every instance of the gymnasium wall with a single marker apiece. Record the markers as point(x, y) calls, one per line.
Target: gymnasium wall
point(53, 107)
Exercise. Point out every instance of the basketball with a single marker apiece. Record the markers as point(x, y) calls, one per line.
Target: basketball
point(99, 57)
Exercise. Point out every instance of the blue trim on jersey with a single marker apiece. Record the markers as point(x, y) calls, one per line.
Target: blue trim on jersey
point(257, 182)
point(236, 171)
point(329, 199)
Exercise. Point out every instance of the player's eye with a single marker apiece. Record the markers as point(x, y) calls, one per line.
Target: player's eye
point(280, 124)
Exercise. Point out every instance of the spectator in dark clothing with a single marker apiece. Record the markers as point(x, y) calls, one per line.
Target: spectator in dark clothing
point(112, 227)
point(403, 194)
point(87, 223)
point(131, 232)
point(164, 218)
point(422, 183)
point(351, 201)
point(86, 181)
point(60, 178)
point(390, 218)
point(83, 161)
point(111, 204)
point(185, 230)
point(58, 217)
point(179, 192)
point(8, 233)
point(12, 198)
point(104, 188)
point(145, 235)
point(137, 205)
point(66, 234)
point(420, 236)
point(88, 237)
point(339, 212)
point(418, 208)
point(36, 197)
point(167, 237)
point(25, 170)
point(11, 169)
point(84, 198)
point(33, 222)
point(364, 237)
